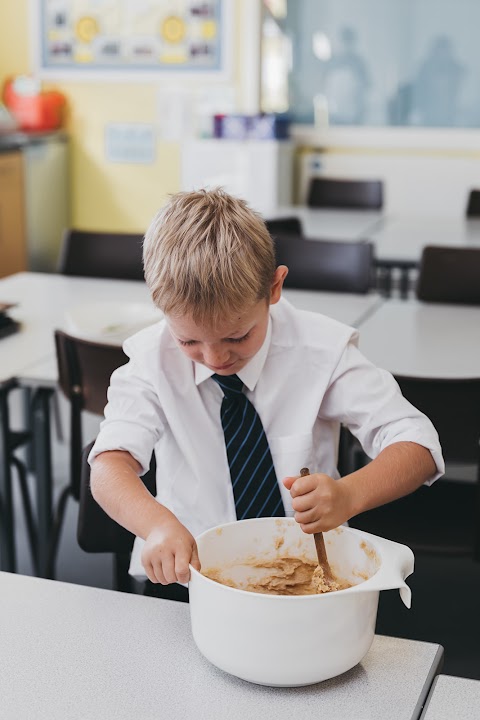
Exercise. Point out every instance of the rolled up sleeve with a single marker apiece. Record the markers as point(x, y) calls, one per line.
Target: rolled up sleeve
point(368, 401)
point(134, 420)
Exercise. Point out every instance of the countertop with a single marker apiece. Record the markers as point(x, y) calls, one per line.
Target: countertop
point(453, 698)
point(16, 140)
point(69, 651)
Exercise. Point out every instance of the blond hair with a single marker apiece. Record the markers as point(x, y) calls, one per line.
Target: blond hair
point(207, 254)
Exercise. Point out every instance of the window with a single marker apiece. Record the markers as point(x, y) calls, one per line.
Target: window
point(373, 63)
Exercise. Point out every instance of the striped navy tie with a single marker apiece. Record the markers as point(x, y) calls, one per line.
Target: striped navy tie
point(254, 482)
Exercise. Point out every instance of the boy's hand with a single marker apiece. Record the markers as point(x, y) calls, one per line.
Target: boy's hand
point(168, 550)
point(320, 502)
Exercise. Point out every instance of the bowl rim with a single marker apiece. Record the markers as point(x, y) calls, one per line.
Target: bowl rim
point(269, 596)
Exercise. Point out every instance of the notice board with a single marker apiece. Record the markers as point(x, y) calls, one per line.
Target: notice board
point(132, 35)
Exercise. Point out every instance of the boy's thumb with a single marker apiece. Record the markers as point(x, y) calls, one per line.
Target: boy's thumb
point(288, 482)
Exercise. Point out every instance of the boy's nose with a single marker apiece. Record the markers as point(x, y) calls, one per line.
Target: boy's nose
point(216, 356)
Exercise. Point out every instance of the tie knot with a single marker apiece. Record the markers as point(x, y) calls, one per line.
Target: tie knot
point(230, 384)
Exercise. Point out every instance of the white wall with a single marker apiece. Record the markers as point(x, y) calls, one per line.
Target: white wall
point(425, 172)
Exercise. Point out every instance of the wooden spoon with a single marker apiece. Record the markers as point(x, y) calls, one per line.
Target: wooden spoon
point(321, 551)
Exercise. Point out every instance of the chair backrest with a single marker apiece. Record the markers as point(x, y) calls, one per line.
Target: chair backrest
point(453, 406)
point(100, 254)
point(449, 275)
point(326, 264)
point(473, 204)
point(326, 192)
point(96, 531)
point(84, 370)
point(284, 226)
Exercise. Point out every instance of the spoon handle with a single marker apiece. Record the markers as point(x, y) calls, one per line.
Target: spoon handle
point(320, 543)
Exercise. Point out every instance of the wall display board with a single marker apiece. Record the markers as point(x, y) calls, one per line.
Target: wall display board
point(131, 35)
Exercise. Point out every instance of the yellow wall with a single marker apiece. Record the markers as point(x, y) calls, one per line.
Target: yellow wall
point(104, 196)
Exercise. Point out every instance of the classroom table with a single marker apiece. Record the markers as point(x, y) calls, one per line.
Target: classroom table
point(42, 300)
point(399, 242)
point(331, 224)
point(419, 339)
point(402, 238)
point(398, 239)
point(28, 358)
point(349, 308)
point(70, 651)
point(453, 697)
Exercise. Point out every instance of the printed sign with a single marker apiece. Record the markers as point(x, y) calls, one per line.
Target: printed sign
point(132, 34)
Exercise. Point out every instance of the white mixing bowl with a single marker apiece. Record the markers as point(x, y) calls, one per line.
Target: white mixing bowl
point(291, 640)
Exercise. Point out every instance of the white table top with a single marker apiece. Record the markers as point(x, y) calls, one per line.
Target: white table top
point(453, 698)
point(432, 340)
point(396, 237)
point(348, 308)
point(69, 651)
point(403, 238)
point(43, 299)
point(329, 224)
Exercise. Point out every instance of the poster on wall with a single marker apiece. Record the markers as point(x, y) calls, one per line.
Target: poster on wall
point(132, 35)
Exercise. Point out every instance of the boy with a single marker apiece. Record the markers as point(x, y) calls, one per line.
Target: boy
point(237, 391)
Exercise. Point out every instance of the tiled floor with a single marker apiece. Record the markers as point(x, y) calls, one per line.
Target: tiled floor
point(445, 600)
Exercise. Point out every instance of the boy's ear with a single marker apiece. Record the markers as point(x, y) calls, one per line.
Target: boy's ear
point(278, 279)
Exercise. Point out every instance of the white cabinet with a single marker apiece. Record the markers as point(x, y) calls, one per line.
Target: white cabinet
point(47, 199)
point(259, 171)
point(34, 200)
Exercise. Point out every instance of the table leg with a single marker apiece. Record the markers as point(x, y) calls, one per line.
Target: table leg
point(27, 421)
point(7, 522)
point(404, 283)
point(43, 471)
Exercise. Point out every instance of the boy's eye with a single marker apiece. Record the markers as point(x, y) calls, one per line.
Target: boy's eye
point(239, 340)
point(230, 340)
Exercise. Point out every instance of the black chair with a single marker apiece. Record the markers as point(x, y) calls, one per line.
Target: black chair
point(100, 254)
point(325, 264)
point(284, 226)
point(449, 275)
point(98, 533)
point(84, 370)
point(473, 204)
point(326, 192)
point(445, 517)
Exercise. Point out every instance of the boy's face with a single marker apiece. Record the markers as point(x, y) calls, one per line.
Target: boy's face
point(227, 347)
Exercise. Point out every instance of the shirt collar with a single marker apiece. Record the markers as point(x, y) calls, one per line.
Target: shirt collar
point(250, 373)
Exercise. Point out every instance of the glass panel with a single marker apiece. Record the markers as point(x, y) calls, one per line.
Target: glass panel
point(376, 62)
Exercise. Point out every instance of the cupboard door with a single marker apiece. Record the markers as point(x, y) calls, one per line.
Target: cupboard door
point(13, 251)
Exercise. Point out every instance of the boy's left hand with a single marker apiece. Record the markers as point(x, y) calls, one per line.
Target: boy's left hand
point(320, 502)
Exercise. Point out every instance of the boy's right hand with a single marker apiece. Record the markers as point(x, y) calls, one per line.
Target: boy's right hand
point(167, 552)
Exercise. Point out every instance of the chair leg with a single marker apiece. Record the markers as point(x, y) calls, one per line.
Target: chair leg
point(42, 452)
point(476, 531)
point(57, 416)
point(8, 560)
point(27, 421)
point(56, 530)
point(27, 509)
point(404, 283)
point(122, 579)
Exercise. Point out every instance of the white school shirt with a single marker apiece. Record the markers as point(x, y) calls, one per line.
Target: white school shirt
point(306, 379)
